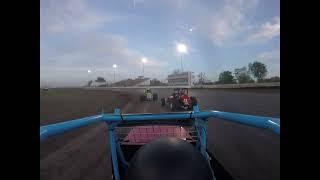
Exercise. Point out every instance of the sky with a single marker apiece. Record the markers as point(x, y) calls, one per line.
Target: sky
point(81, 35)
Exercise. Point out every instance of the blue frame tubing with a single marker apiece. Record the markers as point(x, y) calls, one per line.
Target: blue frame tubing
point(201, 127)
point(201, 123)
point(256, 121)
point(114, 145)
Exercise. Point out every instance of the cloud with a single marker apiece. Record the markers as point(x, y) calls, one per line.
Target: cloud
point(58, 16)
point(71, 43)
point(226, 24)
point(76, 35)
point(88, 48)
point(273, 55)
point(266, 31)
point(222, 21)
point(69, 60)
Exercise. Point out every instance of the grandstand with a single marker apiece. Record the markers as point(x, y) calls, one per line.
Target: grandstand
point(140, 81)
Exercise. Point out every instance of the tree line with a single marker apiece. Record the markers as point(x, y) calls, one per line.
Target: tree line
point(255, 72)
point(98, 80)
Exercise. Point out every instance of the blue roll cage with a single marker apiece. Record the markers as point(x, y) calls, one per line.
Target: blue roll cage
point(200, 122)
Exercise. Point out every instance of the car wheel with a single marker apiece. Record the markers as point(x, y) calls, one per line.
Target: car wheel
point(163, 102)
point(175, 104)
point(155, 97)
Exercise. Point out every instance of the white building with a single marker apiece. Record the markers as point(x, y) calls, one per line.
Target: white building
point(180, 79)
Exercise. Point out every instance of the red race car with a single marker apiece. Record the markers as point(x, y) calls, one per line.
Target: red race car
point(179, 100)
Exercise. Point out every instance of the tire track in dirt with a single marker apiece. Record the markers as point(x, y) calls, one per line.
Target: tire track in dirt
point(86, 155)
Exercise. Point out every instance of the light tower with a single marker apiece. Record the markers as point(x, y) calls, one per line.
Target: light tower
point(182, 49)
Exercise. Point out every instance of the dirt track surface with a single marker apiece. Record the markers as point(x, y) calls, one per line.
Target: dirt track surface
point(248, 153)
point(83, 153)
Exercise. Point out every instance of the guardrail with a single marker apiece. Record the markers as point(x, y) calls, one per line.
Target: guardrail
point(217, 86)
point(138, 87)
point(247, 85)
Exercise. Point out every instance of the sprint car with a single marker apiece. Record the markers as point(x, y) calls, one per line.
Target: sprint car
point(149, 96)
point(179, 100)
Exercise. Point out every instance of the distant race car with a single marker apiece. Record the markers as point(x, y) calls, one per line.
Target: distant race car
point(179, 100)
point(149, 96)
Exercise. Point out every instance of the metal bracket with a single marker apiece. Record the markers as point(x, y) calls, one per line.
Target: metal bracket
point(112, 125)
point(201, 126)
